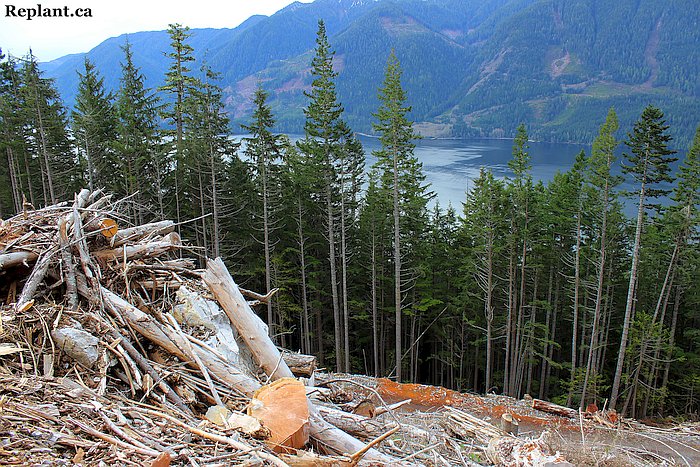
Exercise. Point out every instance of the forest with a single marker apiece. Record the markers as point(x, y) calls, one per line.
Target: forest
point(528, 288)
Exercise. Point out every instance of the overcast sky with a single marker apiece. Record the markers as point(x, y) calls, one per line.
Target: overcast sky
point(51, 38)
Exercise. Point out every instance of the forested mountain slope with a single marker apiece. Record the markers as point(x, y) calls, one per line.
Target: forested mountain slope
point(472, 68)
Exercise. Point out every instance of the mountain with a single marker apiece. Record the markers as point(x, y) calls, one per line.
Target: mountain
point(471, 67)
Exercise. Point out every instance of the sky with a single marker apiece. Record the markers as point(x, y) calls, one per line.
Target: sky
point(53, 37)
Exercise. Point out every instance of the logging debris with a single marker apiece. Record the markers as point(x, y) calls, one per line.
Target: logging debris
point(116, 350)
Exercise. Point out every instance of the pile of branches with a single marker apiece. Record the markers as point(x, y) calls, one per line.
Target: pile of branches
point(114, 348)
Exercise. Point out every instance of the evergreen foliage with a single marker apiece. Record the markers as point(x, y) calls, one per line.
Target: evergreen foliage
point(546, 289)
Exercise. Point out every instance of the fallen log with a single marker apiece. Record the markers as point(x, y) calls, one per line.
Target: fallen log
point(300, 364)
point(172, 343)
point(249, 326)
point(16, 258)
point(141, 250)
point(254, 333)
point(551, 407)
point(139, 232)
point(38, 273)
point(368, 428)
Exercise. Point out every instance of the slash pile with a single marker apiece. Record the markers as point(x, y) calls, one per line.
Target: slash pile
point(116, 350)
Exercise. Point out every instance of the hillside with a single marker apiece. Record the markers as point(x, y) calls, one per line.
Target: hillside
point(471, 68)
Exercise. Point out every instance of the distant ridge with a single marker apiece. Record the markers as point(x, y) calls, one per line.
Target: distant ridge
point(471, 67)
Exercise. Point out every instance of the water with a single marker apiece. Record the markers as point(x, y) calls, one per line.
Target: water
point(451, 165)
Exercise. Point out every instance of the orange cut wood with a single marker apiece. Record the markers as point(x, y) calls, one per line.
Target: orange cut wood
point(108, 227)
point(282, 407)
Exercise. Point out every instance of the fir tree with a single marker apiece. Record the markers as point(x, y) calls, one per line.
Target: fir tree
point(94, 126)
point(48, 142)
point(403, 177)
point(649, 160)
point(142, 167)
point(323, 133)
point(264, 149)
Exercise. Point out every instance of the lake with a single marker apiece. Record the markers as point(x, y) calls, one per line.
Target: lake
point(450, 165)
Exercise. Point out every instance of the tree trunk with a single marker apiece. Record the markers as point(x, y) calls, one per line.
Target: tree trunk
point(630, 300)
point(306, 329)
point(344, 279)
point(574, 325)
point(375, 329)
point(330, 230)
point(397, 269)
point(548, 325)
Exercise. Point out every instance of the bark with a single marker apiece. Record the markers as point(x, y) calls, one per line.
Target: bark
point(249, 326)
point(16, 258)
point(300, 364)
point(630, 301)
point(38, 273)
point(598, 300)
point(330, 231)
point(214, 204)
point(551, 407)
point(368, 428)
point(574, 325)
point(397, 269)
point(306, 329)
point(375, 330)
point(548, 324)
point(509, 424)
point(68, 266)
point(140, 250)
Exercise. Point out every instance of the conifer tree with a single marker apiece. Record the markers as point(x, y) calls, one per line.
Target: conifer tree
point(94, 126)
point(403, 177)
point(484, 222)
point(323, 133)
point(15, 178)
point(520, 188)
point(374, 230)
point(265, 149)
point(649, 160)
point(49, 144)
point(209, 149)
point(178, 87)
point(603, 181)
point(142, 166)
